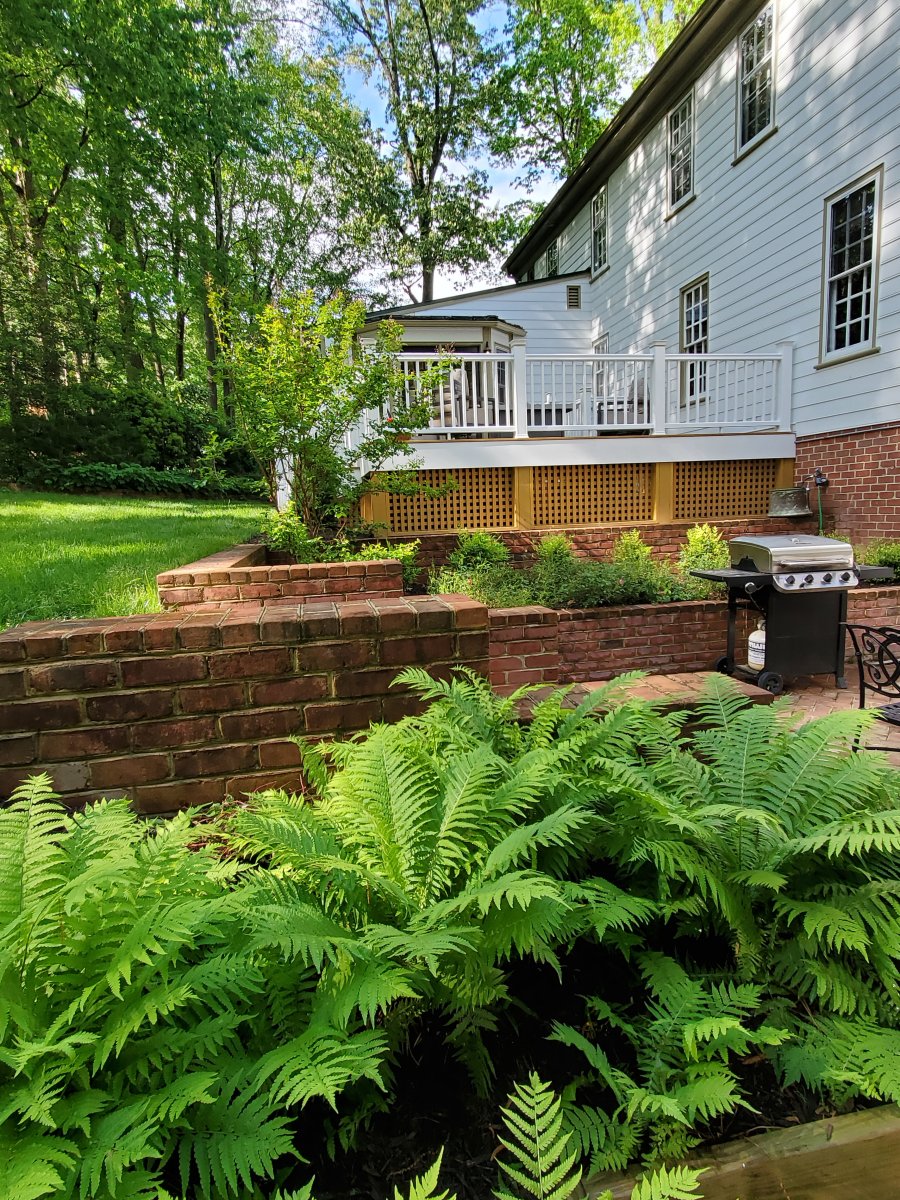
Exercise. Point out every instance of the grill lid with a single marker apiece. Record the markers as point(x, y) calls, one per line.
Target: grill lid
point(789, 552)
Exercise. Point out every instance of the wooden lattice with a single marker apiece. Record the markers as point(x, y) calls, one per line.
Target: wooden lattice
point(708, 491)
point(593, 494)
point(482, 499)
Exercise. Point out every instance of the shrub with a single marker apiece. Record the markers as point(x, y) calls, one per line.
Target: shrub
point(630, 549)
point(286, 532)
point(704, 550)
point(882, 553)
point(498, 586)
point(477, 549)
point(406, 553)
point(131, 477)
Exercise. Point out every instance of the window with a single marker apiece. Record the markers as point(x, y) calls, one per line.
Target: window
point(681, 152)
point(695, 334)
point(756, 74)
point(599, 231)
point(601, 378)
point(851, 255)
point(552, 259)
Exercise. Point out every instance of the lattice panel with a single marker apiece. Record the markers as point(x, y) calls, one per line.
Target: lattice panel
point(707, 491)
point(482, 499)
point(593, 494)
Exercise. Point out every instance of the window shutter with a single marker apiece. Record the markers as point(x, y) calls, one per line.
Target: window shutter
point(573, 295)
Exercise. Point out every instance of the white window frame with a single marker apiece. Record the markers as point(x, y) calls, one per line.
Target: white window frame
point(600, 230)
point(866, 268)
point(676, 141)
point(600, 346)
point(552, 250)
point(766, 63)
point(694, 336)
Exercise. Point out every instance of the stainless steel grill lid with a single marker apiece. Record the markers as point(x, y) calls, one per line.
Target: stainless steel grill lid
point(790, 552)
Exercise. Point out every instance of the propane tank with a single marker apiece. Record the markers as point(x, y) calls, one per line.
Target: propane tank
point(756, 647)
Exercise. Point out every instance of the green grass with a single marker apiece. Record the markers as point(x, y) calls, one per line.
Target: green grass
point(90, 556)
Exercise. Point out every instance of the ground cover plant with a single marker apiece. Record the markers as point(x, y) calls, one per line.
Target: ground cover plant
point(619, 932)
point(69, 556)
point(480, 566)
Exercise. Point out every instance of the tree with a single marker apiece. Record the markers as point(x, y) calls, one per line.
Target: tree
point(314, 407)
point(435, 71)
point(569, 65)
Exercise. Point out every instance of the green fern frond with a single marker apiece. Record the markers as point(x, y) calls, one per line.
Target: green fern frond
point(668, 1183)
point(321, 1063)
point(32, 861)
point(544, 1165)
point(32, 1164)
point(425, 1186)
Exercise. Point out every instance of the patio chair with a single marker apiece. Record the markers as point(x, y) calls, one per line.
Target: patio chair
point(877, 650)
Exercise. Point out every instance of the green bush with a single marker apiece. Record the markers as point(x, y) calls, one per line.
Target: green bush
point(498, 586)
point(630, 550)
point(287, 533)
point(479, 549)
point(882, 553)
point(406, 553)
point(704, 550)
point(131, 477)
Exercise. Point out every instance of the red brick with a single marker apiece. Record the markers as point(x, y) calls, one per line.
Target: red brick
point(289, 691)
point(72, 677)
point(12, 649)
point(160, 735)
point(44, 645)
point(402, 705)
point(38, 715)
point(357, 618)
point(246, 664)
point(124, 772)
point(84, 641)
point(259, 591)
point(175, 668)
point(433, 615)
point(125, 640)
point(331, 718)
point(172, 797)
point(130, 706)
point(84, 743)
point(200, 632)
point(12, 685)
point(264, 723)
point(173, 596)
point(474, 645)
point(427, 648)
point(363, 683)
point(212, 697)
point(399, 618)
point(217, 760)
point(279, 754)
point(318, 623)
point(280, 625)
point(240, 629)
point(162, 633)
point(336, 656)
point(18, 749)
point(222, 591)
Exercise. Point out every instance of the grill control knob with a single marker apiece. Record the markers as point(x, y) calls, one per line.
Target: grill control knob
point(789, 580)
point(808, 579)
point(827, 577)
point(845, 576)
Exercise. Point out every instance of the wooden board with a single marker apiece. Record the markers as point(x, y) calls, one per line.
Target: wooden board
point(856, 1157)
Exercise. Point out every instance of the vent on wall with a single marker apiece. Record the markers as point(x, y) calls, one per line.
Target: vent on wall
point(573, 296)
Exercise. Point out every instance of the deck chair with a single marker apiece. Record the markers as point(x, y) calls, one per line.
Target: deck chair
point(877, 650)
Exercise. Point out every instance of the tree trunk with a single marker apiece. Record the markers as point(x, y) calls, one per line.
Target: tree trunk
point(132, 359)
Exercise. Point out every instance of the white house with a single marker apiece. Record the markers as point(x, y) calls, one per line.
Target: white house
point(708, 306)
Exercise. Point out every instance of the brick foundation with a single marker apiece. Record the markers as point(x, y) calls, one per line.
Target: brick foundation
point(596, 541)
point(182, 709)
point(242, 575)
point(862, 500)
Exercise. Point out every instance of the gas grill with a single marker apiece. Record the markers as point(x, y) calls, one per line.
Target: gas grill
point(798, 583)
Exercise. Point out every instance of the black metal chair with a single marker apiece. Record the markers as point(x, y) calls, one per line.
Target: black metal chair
point(877, 650)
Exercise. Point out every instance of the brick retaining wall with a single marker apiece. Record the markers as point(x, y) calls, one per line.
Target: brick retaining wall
point(539, 645)
point(242, 575)
point(597, 541)
point(180, 709)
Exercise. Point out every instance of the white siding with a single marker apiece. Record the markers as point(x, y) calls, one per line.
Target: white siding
point(575, 244)
point(540, 308)
point(756, 226)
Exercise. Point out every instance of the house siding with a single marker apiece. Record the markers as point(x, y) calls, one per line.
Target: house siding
point(756, 227)
point(540, 308)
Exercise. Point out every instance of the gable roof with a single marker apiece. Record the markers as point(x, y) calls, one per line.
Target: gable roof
point(399, 309)
point(710, 29)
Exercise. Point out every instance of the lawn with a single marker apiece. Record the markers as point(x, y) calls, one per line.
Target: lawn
point(91, 556)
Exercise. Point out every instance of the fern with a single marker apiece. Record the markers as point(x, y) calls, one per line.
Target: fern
point(544, 1165)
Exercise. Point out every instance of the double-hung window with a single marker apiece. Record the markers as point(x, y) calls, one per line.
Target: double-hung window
point(552, 259)
point(695, 335)
point(681, 152)
point(851, 269)
point(599, 231)
point(756, 79)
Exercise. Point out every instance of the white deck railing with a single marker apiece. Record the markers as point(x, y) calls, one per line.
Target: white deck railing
point(571, 395)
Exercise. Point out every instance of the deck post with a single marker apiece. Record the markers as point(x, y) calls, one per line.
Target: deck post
point(785, 385)
point(520, 388)
point(658, 387)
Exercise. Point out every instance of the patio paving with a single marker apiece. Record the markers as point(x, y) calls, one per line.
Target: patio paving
point(815, 696)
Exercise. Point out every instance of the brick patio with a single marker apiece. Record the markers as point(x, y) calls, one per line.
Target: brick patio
point(816, 696)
